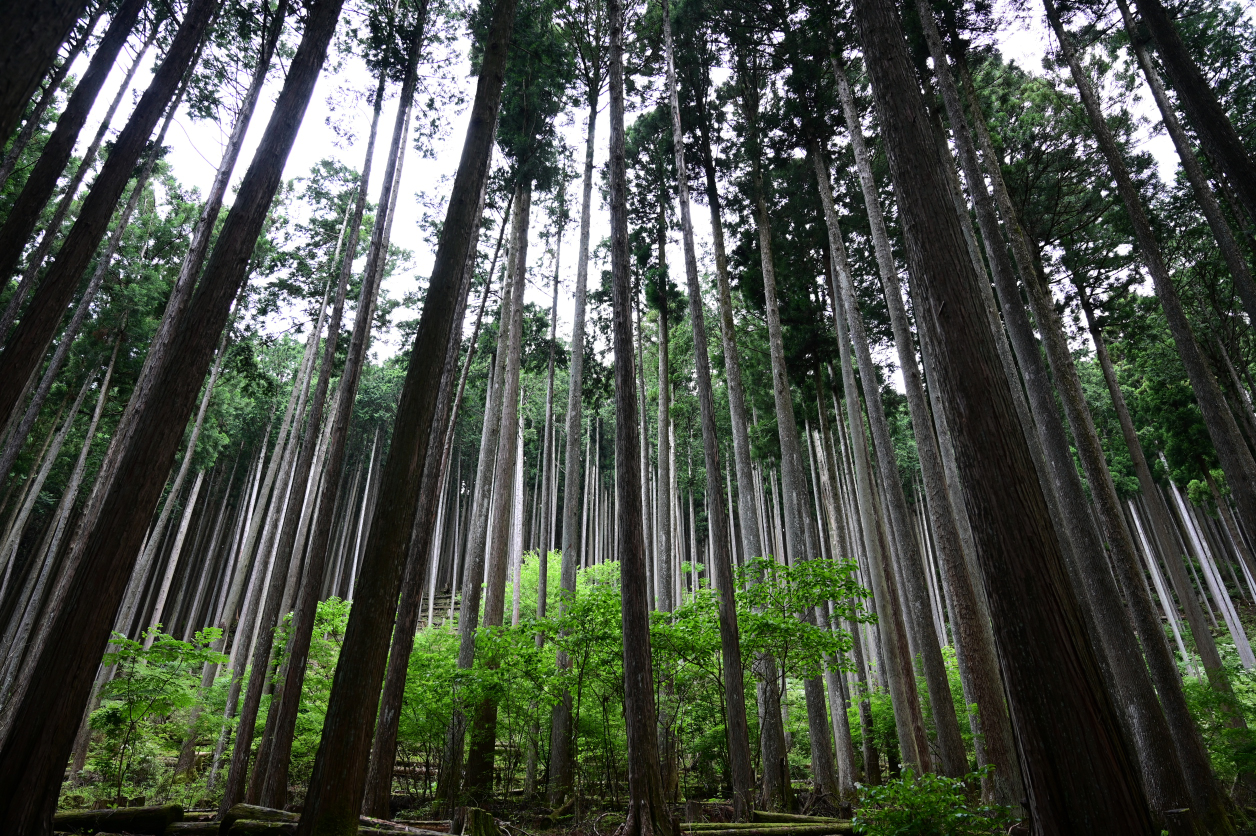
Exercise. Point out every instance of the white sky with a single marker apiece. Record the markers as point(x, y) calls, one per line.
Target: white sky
point(196, 148)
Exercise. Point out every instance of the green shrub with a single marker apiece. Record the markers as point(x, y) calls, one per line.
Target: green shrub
point(929, 805)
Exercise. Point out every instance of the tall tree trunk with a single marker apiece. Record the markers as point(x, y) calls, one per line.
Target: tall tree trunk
point(1207, 800)
point(26, 345)
point(53, 227)
point(1214, 128)
point(1080, 775)
point(339, 779)
point(771, 730)
point(561, 761)
point(1236, 457)
point(648, 814)
point(737, 728)
point(975, 652)
point(35, 751)
point(478, 785)
point(1161, 769)
point(26, 210)
point(287, 699)
point(33, 34)
point(384, 750)
point(800, 538)
point(950, 744)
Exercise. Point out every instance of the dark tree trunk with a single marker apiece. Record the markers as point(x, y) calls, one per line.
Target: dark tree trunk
point(25, 347)
point(648, 814)
point(33, 32)
point(286, 702)
point(339, 780)
point(1079, 773)
point(1236, 457)
point(1214, 128)
point(46, 713)
point(561, 750)
point(738, 730)
point(25, 213)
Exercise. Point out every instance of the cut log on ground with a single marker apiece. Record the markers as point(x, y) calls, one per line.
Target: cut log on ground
point(143, 820)
point(828, 829)
point(193, 828)
point(791, 818)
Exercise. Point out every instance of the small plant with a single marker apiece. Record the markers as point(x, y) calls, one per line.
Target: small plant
point(929, 805)
point(151, 684)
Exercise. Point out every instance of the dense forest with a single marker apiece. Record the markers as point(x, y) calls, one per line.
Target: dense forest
point(783, 418)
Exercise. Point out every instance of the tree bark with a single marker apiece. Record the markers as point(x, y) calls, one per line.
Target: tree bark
point(647, 813)
point(561, 760)
point(39, 185)
point(33, 34)
point(1079, 773)
point(737, 728)
point(26, 345)
point(35, 751)
point(338, 783)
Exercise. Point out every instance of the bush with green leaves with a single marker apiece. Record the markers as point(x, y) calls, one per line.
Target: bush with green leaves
point(929, 805)
point(143, 708)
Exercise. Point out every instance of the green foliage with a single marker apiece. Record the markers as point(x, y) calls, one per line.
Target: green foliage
point(929, 805)
point(771, 597)
point(1231, 749)
point(329, 629)
point(151, 684)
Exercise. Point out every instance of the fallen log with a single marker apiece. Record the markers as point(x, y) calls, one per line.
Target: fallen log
point(790, 818)
point(256, 827)
point(193, 828)
point(151, 821)
point(252, 812)
point(833, 828)
point(755, 826)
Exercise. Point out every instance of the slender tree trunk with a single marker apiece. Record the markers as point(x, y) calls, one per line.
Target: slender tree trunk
point(25, 212)
point(287, 699)
point(800, 539)
point(1162, 530)
point(339, 779)
point(384, 749)
point(737, 728)
point(647, 813)
point(1236, 458)
point(38, 744)
point(562, 753)
point(1080, 775)
point(26, 345)
point(950, 744)
point(478, 785)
